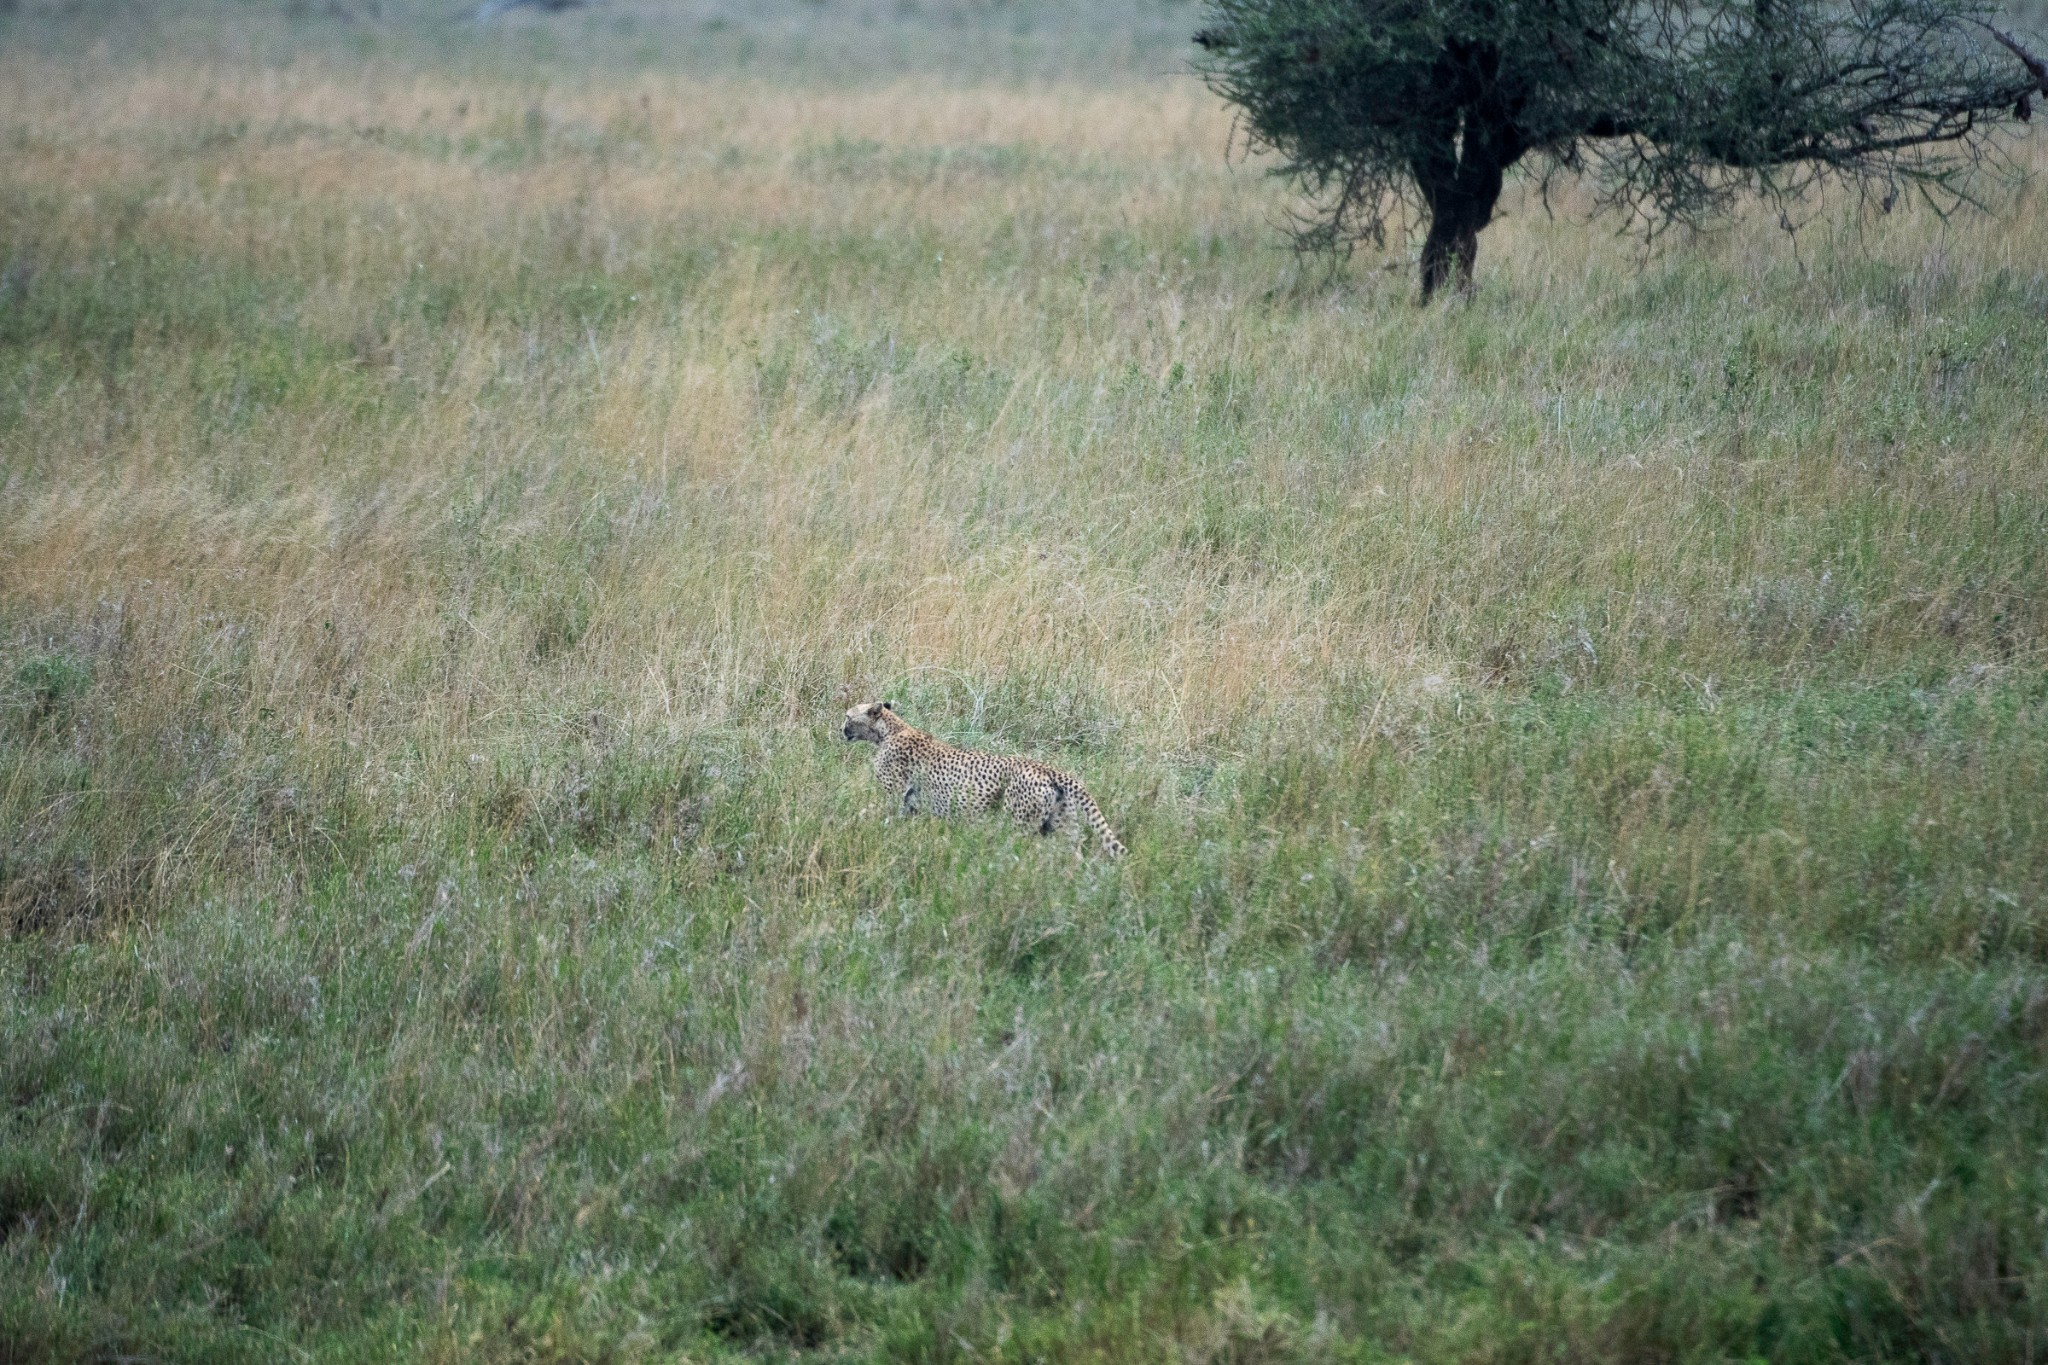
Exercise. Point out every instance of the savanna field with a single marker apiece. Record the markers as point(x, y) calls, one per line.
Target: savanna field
point(1582, 746)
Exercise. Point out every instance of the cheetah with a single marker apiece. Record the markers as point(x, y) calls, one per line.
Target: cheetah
point(926, 773)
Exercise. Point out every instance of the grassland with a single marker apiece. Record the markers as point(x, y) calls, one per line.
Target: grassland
point(1582, 748)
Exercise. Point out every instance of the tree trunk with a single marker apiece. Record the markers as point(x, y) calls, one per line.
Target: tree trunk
point(1448, 253)
point(1460, 189)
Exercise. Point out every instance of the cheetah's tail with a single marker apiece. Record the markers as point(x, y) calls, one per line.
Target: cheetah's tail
point(1111, 845)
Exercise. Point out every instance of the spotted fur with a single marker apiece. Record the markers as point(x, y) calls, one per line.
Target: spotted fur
point(925, 773)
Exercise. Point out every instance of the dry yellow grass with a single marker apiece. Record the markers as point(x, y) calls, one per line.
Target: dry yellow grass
point(837, 546)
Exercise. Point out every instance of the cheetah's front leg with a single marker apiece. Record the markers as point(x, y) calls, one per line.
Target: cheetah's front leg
point(898, 777)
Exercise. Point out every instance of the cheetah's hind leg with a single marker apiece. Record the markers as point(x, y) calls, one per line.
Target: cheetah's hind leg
point(1034, 805)
point(1067, 817)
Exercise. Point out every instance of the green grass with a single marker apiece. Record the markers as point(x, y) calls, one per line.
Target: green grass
point(1581, 747)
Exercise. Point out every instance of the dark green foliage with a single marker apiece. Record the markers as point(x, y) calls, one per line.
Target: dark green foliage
point(1676, 107)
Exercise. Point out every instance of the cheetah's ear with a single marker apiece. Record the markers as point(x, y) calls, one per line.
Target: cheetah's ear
point(888, 706)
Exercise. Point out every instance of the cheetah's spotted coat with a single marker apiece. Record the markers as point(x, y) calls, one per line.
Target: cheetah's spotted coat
point(926, 773)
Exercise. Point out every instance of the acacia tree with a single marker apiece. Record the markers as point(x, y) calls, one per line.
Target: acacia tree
point(1674, 106)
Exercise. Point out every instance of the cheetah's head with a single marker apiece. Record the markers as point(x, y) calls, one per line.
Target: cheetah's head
point(871, 721)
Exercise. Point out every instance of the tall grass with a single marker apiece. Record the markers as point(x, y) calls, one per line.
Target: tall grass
point(1581, 747)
